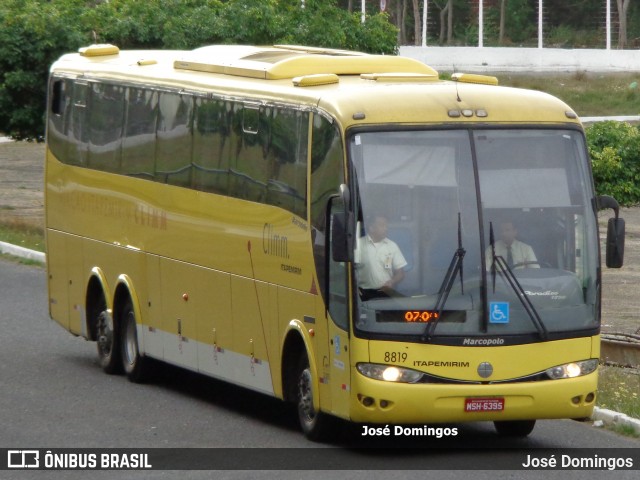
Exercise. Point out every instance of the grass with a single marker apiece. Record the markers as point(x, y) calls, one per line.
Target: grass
point(619, 390)
point(589, 94)
point(21, 233)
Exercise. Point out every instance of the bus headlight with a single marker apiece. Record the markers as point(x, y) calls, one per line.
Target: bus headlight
point(572, 370)
point(389, 373)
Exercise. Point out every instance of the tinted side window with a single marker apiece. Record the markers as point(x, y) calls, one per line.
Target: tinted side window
point(105, 122)
point(245, 150)
point(139, 142)
point(287, 160)
point(211, 143)
point(250, 138)
point(77, 128)
point(173, 149)
point(59, 113)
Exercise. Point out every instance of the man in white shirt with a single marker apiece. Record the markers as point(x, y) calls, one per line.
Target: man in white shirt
point(514, 252)
point(381, 265)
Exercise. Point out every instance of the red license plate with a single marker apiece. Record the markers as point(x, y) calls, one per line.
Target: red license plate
point(484, 404)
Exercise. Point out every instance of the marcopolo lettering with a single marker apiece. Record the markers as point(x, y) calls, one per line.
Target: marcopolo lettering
point(483, 341)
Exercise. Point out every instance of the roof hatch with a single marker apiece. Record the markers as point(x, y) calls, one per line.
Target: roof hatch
point(281, 61)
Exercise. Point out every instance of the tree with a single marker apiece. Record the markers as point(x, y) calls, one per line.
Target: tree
point(417, 27)
point(503, 9)
point(446, 29)
point(623, 8)
point(34, 33)
point(450, 22)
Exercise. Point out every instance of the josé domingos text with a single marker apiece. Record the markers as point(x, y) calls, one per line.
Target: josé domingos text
point(569, 461)
point(399, 430)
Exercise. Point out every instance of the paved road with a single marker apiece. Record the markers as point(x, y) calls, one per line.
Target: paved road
point(53, 395)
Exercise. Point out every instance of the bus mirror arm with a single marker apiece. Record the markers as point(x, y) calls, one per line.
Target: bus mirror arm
point(345, 194)
point(607, 201)
point(615, 232)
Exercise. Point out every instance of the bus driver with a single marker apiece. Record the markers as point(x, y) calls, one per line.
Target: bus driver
point(515, 253)
point(382, 264)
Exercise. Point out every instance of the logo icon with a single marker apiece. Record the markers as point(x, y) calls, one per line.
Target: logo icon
point(23, 459)
point(485, 369)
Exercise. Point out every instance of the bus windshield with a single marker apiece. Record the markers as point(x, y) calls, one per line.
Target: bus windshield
point(474, 233)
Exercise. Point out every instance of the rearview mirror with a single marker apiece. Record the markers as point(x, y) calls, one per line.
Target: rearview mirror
point(615, 232)
point(615, 242)
point(341, 227)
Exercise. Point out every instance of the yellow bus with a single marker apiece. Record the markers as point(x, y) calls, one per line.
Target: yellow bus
point(344, 231)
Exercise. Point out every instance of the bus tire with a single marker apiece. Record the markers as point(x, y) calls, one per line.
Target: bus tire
point(136, 367)
point(316, 426)
point(108, 343)
point(514, 428)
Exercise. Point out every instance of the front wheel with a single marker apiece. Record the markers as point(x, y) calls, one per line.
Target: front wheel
point(514, 428)
point(315, 425)
point(136, 366)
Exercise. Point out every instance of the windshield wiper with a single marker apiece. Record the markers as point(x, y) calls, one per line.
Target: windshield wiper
point(515, 286)
point(455, 266)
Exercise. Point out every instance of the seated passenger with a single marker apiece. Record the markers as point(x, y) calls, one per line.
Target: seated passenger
point(382, 264)
point(514, 252)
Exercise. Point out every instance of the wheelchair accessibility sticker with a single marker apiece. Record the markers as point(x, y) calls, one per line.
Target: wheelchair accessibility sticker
point(499, 312)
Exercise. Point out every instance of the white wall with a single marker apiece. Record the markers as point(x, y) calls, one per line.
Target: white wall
point(478, 60)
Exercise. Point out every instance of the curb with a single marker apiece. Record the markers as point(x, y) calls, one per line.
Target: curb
point(602, 416)
point(22, 252)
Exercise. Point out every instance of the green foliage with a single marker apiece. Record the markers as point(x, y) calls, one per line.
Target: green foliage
point(520, 22)
point(615, 157)
point(34, 33)
point(321, 23)
point(196, 24)
point(253, 22)
point(376, 35)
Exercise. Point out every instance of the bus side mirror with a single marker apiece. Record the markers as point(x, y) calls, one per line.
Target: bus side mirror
point(615, 232)
point(341, 228)
point(339, 250)
point(615, 242)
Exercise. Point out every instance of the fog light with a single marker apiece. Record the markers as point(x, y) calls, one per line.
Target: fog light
point(367, 401)
point(590, 397)
point(576, 400)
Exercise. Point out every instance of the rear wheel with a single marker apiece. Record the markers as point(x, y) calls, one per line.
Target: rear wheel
point(515, 428)
point(108, 343)
point(315, 425)
point(135, 365)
